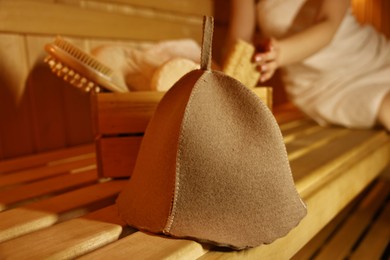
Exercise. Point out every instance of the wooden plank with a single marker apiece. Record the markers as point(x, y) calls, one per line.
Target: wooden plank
point(117, 155)
point(124, 113)
point(300, 131)
point(316, 167)
point(310, 249)
point(49, 186)
point(77, 116)
point(29, 175)
point(80, 236)
point(313, 140)
point(375, 161)
point(293, 123)
point(46, 104)
point(32, 17)
point(317, 216)
point(356, 173)
point(15, 115)
point(145, 246)
point(80, 197)
point(68, 239)
point(16, 222)
point(200, 7)
point(322, 205)
point(63, 241)
point(296, 126)
point(130, 112)
point(56, 157)
point(375, 242)
point(342, 242)
point(44, 213)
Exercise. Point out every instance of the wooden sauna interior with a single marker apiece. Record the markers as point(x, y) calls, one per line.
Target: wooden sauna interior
point(38, 112)
point(42, 115)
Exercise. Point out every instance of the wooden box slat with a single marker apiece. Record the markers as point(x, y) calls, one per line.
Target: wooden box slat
point(120, 119)
point(123, 113)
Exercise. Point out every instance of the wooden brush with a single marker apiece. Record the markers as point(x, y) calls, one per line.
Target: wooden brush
point(239, 66)
point(79, 68)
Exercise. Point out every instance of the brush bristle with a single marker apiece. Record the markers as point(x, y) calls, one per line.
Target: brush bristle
point(71, 76)
point(77, 67)
point(82, 56)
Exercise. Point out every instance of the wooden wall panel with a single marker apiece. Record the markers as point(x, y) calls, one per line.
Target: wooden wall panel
point(39, 112)
point(375, 12)
point(45, 18)
point(197, 7)
point(46, 98)
point(77, 108)
point(77, 115)
point(15, 121)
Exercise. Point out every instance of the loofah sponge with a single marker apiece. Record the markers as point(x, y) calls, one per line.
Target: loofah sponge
point(239, 66)
point(212, 165)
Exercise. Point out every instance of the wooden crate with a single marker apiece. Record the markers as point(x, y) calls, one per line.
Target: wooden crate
point(120, 120)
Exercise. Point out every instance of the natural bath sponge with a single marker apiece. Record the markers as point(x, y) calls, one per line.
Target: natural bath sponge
point(212, 165)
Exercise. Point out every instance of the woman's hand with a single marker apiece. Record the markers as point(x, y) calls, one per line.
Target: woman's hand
point(266, 58)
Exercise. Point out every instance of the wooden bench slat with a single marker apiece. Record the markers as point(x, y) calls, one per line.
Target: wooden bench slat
point(298, 126)
point(333, 198)
point(341, 244)
point(19, 221)
point(350, 161)
point(312, 247)
point(45, 187)
point(68, 239)
point(147, 246)
point(312, 169)
point(40, 159)
point(62, 241)
point(293, 123)
point(80, 197)
point(378, 159)
point(35, 174)
point(375, 242)
point(44, 213)
point(311, 141)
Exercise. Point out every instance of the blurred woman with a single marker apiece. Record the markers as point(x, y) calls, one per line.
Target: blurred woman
point(336, 70)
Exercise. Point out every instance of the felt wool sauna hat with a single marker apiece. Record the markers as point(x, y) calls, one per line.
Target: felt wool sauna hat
point(212, 165)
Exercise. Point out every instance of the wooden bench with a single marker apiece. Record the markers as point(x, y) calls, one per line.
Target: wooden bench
point(65, 215)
